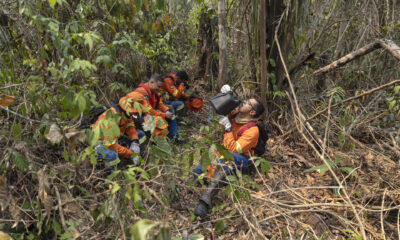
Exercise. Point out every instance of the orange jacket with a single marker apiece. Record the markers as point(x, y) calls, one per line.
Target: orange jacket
point(149, 105)
point(140, 94)
point(126, 125)
point(174, 92)
point(243, 144)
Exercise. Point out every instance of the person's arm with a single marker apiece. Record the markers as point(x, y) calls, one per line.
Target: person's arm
point(162, 107)
point(131, 130)
point(175, 91)
point(246, 142)
point(181, 93)
point(120, 150)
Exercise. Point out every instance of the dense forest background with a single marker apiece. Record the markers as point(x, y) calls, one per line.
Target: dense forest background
point(327, 70)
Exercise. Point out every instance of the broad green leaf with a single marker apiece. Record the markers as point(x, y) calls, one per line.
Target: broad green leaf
point(321, 168)
point(52, 2)
point(231, 178)
point(105, 59)
point(220, 227)
point(16, 130)
point(225, 152)
point(205, 161)
point(20, 161)
point(211, 152)
point(81, 103)
point(140, 229)
point(115, 188)
point(195, 237)
point(396, 89)
point(163, 145)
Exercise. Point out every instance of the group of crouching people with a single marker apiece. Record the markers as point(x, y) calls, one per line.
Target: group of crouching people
point(163, 98)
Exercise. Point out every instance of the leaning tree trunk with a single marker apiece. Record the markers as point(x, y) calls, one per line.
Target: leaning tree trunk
point(221, 44)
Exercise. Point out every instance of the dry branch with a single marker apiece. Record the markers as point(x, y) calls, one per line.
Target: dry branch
point(388, 45)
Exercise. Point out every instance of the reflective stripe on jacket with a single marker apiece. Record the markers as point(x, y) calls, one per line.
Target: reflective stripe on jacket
point(174, 92)
point(247, 141)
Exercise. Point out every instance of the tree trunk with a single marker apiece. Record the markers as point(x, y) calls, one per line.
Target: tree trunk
point(206, 45)
point(221, 44)
point(263, 56)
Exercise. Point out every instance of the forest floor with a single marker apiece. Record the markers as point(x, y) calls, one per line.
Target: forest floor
point(292, 201)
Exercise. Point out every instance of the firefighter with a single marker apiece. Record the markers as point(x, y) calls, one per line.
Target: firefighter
point(240, 139)
point(125, 144)
point(173, 92)
point(150, 103)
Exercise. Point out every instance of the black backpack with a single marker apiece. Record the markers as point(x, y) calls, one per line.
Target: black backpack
point(96, 111)
point(259, 150)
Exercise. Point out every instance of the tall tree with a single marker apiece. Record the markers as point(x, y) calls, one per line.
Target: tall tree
point(222, 44)
point(263, 82)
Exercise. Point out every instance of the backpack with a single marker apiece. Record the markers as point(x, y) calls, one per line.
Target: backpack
point(96, 111)
point(259, 150)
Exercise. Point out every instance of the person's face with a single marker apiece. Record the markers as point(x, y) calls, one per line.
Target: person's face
point(248, 107)
point(155, 86)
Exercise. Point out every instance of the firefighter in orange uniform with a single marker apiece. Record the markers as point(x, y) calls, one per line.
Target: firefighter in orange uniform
point(125, 144)
point(147, 95)
point(173, 90)
point(240, 138)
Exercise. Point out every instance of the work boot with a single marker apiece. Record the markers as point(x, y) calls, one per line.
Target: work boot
point(201, 209)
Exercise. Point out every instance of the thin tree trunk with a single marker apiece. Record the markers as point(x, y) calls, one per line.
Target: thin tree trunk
point(263, 80)
point(222, 44)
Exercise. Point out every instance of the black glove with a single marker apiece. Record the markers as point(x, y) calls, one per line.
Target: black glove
point(193, 96)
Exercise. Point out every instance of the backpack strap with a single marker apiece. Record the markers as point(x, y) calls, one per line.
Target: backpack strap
point(245, 127)
point(153, 102)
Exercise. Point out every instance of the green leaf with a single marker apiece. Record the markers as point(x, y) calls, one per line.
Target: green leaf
point(16, 130)
point(52, 2)
point(163, 145)
point(347, 170)
point(231, 178)
point(396, 89)
point(220, 227)
point(115, 188)
point(205, 161)
point(20, 161)
point(105, 59)
point(225, 152)
point(321, 168)
point(265, 166)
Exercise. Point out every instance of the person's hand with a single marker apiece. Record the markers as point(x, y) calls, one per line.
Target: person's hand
point(226, 88)
point(169, 115)
point(135, 147)
point(226, 123)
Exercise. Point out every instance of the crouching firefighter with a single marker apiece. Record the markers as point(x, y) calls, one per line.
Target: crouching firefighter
point(113, 145)
point(151, 104)
point(243, 137)
point(174, 95)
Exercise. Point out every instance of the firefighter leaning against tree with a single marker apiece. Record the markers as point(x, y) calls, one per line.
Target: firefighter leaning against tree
point(240, 138)
point(151, 104)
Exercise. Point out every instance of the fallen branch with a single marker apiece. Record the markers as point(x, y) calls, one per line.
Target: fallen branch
point(388, 45)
